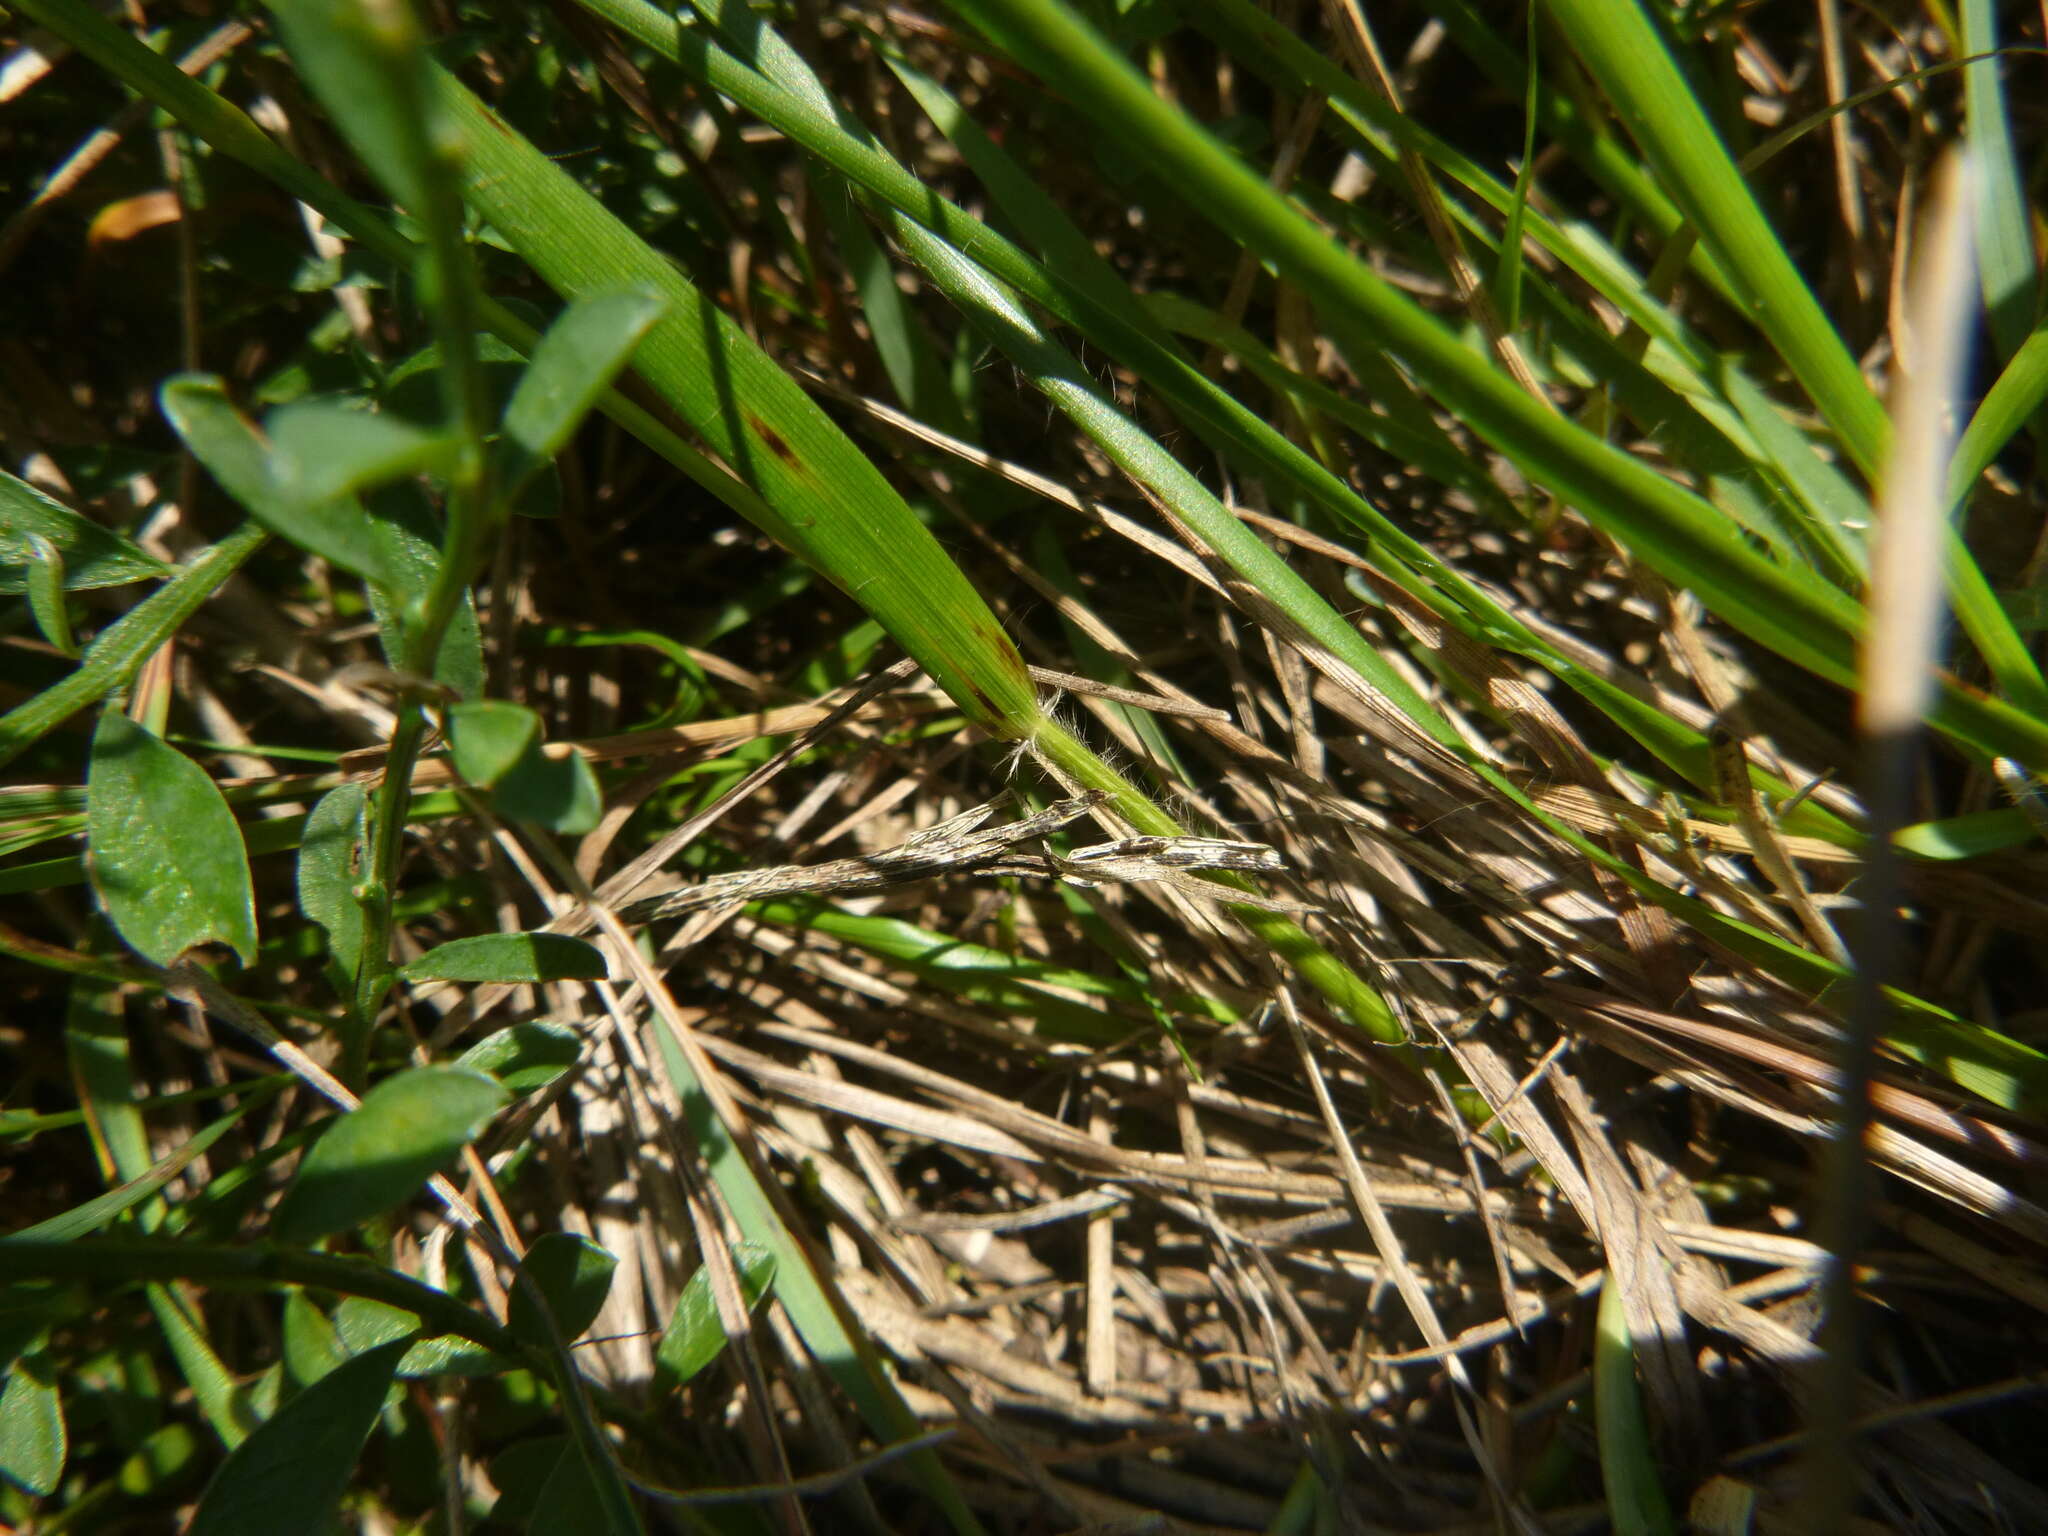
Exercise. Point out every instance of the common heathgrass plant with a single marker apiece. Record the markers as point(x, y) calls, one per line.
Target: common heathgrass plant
point(1399, 524)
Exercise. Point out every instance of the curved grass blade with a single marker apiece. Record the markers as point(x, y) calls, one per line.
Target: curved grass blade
point(823, 498)
point(122, 645)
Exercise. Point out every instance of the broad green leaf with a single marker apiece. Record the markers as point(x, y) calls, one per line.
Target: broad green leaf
point(559, 793)
point(447, 1355)
point(291, 1473)
point(122, 645)
point(571, 1500)
point(241, 460)
point(525, 1056)
point(377, 1155)
point(91, 556)
point(164, 850)
point(45, 580)
point(489, 737)
point(33, 1444)
point(574, 1275)
point(577, 358)
point(333, 854)
point(695, 1337)
point(322, 451)
point(220, 437)
point(509, 957)
point(521, 1473)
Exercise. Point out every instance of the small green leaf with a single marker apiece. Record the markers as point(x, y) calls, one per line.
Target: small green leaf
point(694, 1336)
point(241, 459)
point(509, 957)
point(46, 593)
point(323, 451)
point(292, 1471)
point(362, 1324)
point(559, 793)
point(312, 1348)
point(578, 356)
point(362, 63)
point(408, 1127)
point(91, 556)
point(521, 1472)
point(220, 437)
point(574, 1275)
point(525, 1056)
point(32, 1439)
point(332, 854)
point(164, 850)
point(487, 739)
point(408, 532)
point(448, 1355)
point(160, 1463)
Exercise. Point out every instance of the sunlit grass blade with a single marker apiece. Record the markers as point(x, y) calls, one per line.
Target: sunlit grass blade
point(1670, 528)
point(2011, 402)
point(1081, 289)
point(1621, 48)
point(2005, 240)
point(825, 500)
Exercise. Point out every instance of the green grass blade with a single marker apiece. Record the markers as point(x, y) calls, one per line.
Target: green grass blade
point(847, 1357)
point(1628, 1462)
point(824, 499)
point(1670, 528)
point(2005, 236)
point(2007, 406)
point(1621, 48)
point(122, 645)
point(96, 1213)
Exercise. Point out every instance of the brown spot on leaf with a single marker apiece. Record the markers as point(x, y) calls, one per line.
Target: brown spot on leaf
point(772, 440)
